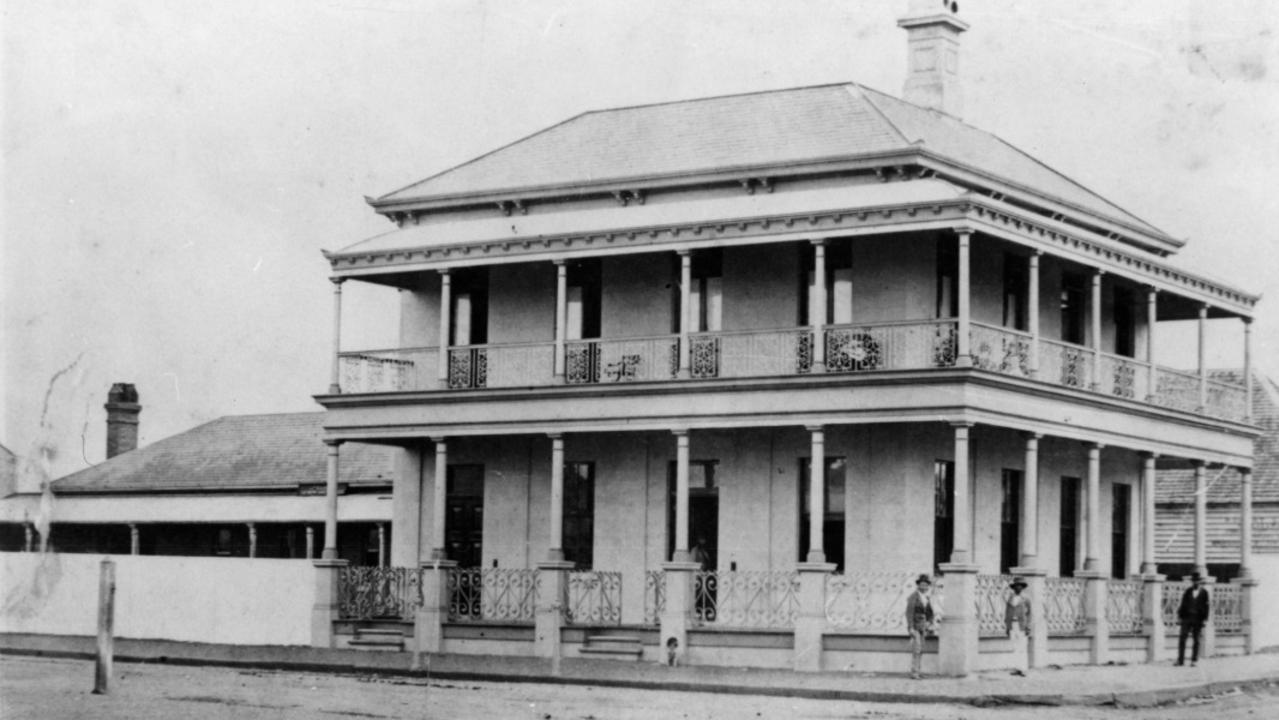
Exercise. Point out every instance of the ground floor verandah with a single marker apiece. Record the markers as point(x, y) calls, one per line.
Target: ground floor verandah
point(730, 546)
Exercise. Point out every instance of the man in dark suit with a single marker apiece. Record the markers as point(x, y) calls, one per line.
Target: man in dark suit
point(1192, 613)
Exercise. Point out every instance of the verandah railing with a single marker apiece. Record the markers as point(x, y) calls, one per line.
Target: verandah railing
point(1063, 606)
point(1001, 350)
point(594, 598)
point(492, 595)
point(871, 602)
point(371, 371)
point(746, 599)
point(379, 593)
point(992, 596)
point(1124, 606)
point(890, 346)
point(621, 360)
point(1226, 606)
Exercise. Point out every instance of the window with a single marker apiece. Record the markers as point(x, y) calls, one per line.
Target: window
point(583, 295)
point(947, 278)
point(1125, 323)
point(1069, 524)
point(1121, 507)
point(1072, 309)
point(705, 295)
point(943, 512)
point(1010, 521)
point(579, 513)
point(833, 507)
point(1016, 292)
point(464, 514)
point(703, 508)
point(839, 284)
point(469, 298)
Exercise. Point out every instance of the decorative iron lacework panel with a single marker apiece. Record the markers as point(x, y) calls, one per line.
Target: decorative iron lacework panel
point(492, 594)
point(1000, 350)
point(1176, 390)
point(1227, 401)
point(991, 600)
point(369, 593)
point(629, 359)
point(755, 354)
point(890, 346)
point(1124, 600)
point(1063, 606)
point(654, 596)
point(704, 361)
point(870, 602)
point(754, 599)
point(468, 368)
point(1226, 604)
point(1122, 377)
point(1172, 601)
point(594, 598)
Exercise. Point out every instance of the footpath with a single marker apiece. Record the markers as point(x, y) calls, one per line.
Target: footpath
point(1122, 685)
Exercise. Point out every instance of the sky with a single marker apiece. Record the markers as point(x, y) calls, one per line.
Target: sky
point(171, 171)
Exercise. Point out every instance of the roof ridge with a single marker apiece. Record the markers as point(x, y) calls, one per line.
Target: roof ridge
point(880, 112)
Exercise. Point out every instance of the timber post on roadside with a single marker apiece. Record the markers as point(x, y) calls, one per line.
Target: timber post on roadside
point(106, 614)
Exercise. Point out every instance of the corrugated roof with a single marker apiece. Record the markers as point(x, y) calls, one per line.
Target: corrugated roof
point(235, 452)
point(762, 129)
point(1178, 486)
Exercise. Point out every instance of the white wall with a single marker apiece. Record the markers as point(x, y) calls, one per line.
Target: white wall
point(235, 601)
point(1265, 622)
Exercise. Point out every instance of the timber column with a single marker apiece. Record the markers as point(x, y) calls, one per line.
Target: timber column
point(328, 569)
point(1246, 582)
point(957, 639)
point(811, 622)
point(1029, 569)
point(1095, 588)
point(428, 626)
point(1152, 611)
point(680, 574)
point(552, 595)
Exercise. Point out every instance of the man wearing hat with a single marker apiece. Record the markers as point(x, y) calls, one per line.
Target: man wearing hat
point(1192, 613)
point(1017, 624)
point(919, 620)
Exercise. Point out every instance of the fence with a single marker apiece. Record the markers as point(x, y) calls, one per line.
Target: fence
point(492, 595)
point(369, 593)
point(754, 599)
point(1172, 602)
point(1000, 350)
point(1227, 609)
point(1064, 606)
point(869, 602)
point(1124, 602)
point(594, 598)
point(991, 598)
point(654, 596)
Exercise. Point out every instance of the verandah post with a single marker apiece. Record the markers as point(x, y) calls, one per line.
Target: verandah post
point(958, 637)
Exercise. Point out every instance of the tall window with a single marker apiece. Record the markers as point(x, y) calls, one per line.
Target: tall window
point(703, 509)
point(1125, 323)
point(1016, 293)
point(582, 319)
point(1010, 521)
point(469, 320)
point(464, 514)
point(947, 278)
point(833, 500)
point(579, 513)
point(839, 284)
point(705, 295)
point(1119, 515)
point(1069, 524)
point(943, 511)
point(1073, 296)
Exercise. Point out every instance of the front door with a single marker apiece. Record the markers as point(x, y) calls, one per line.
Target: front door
point(464, 517)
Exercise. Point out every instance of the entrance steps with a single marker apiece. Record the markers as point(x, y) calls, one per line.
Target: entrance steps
point(613, 647)
point(378, 639)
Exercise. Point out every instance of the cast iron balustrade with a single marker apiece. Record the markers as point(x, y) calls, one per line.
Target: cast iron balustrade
point(1226, 605)
point(500, 366)
point(621, 360)
point(753, 599)
point(379, 593)
point(594, 598)
point(373, 371)
point(1172, 602)
point(1000, 350)
point(1063, 606)
point(991, 600)
point(1065, 364)
point(870, 602)
point(1176, 389)
point(890, 346)
point(654, 596)
point(492, 595)
point(1122, 377)
point(1124, 606)
point(1226, 400)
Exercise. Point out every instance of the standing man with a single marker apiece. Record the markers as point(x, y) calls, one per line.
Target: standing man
point(1017, 625)
point(1192, 613)
point(919, 621)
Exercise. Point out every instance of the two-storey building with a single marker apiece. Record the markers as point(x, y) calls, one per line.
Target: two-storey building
point(716, 379)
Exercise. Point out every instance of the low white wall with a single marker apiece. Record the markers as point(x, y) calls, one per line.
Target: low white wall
point(1265, 623)
point(235, 601)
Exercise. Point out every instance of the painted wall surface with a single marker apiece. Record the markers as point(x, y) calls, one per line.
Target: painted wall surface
point(894, 277)
point(636, 297)
point(405, 529)
point(761, 287)
point(234, 601)
point(420, 312)
point(1265, 622)
point(521, 303)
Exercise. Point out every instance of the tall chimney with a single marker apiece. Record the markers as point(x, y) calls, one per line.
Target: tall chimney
point(932, 43)
point(122, 419)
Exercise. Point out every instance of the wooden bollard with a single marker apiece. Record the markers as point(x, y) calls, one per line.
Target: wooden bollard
point(106, 613)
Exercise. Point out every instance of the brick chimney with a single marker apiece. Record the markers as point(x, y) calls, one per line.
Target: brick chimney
point(932, 45)
point(122, 419)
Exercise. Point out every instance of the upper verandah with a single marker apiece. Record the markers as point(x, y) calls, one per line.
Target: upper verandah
point(767, 134)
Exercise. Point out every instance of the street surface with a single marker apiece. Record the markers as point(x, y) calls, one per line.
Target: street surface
point(38, 688)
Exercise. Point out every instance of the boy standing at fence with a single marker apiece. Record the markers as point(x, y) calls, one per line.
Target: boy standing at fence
point(919, 621)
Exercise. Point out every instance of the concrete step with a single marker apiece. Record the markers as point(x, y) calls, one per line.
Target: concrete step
point(619, 647)
point(378, 639)
point(371, 633)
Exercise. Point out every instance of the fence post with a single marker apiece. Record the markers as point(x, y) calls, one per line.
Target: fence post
point(429, 619)
point(324, 612)
point(677, 612)
point(1152, 617)
point(552, 594)
point(1247, 586)
point(106, 620)
point(811, 623)
point(957, 638)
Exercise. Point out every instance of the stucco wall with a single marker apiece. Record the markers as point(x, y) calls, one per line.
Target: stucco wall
point(420, 312)
point(761, 286)
point(521, 303)
point(231, 601)
point(636, 295)
point(894, 278)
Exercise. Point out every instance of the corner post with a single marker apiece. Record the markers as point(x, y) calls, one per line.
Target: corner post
point(685, 312)
point(561, 317)
point(327, 607)
point(331, 502)
point(446, 317)
point(1152, 617)
point(811, 622)
point(963, 355)
point(430, 617)
point(1095, 590)
point(817, 311)
point(335, 386)
point(1032, 312)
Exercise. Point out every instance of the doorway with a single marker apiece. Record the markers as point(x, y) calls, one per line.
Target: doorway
point(464, 516)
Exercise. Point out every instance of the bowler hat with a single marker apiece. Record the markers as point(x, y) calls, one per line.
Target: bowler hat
point(1196, 577)
point(924, 579)
point(1017, 583)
